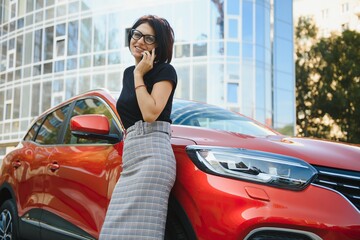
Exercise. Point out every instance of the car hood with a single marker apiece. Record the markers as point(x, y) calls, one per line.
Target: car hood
point(316, 152)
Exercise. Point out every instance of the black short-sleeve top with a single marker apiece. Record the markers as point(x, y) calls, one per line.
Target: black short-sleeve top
point(127, 105)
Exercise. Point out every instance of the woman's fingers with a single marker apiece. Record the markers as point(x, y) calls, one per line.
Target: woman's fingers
point(153, 54)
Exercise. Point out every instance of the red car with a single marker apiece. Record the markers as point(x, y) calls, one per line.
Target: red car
point(236, 179)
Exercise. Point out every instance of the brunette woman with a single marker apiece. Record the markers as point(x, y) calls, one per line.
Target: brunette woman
point(138, 206)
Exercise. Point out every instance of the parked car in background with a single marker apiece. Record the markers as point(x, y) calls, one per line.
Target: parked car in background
point(236, 179)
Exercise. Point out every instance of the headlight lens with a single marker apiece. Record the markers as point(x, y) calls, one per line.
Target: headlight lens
point(262, 167)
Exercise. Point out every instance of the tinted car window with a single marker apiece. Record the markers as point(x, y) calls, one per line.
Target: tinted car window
point(50, 129)
point(91, 106)
point(208, 116)
point(32, 132)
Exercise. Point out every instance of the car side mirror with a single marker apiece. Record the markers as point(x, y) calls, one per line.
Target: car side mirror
point(92, 126)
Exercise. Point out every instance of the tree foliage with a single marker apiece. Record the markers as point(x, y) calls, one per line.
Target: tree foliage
point(327, 84)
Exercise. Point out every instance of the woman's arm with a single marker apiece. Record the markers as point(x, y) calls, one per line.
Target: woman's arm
point(151, 105)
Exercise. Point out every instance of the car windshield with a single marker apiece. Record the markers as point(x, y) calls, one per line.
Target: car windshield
point(207, 116)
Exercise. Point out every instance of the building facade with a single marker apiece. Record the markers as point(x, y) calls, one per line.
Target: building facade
point(330, 16)
point(234, 53)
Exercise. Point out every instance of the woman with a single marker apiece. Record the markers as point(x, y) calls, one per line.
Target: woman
point(138, 206)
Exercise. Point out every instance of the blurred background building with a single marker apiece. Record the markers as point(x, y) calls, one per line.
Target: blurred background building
point(233, 53)
point(331, 16)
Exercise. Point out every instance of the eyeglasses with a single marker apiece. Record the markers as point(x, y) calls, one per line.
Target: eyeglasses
point(149, 39)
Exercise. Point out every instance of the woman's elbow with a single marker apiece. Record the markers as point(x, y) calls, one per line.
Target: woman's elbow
point(150, 117)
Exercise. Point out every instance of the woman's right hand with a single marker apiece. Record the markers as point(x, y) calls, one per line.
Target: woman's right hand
point(146, 63)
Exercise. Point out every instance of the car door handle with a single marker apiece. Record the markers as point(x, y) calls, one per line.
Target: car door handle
point(54, 166)
point(16, 164)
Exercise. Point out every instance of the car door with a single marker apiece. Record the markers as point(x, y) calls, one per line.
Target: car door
point(78, 177)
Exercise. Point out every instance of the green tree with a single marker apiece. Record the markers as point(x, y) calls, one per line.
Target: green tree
point(339, 91)
point(306, 90)
point(327, 84)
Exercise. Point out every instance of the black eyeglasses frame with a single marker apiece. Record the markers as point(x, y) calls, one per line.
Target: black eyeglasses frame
point(146, 36)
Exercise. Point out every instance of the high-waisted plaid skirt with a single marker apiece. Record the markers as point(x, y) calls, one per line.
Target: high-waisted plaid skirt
point(138, 206)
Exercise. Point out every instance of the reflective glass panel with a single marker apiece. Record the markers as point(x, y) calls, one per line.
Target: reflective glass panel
point(73, 38)
point(16, 99)
point(233, 7)
point(232, 92)
point(200, 82)
point(35, 99)
point(114, 31)
point(85, 36)
point(48, 42)
point(247, 24)
point(28, 48)
point(100, 33)
point(46, 95)
point(19, 50)
point(233, 28)
point(37, 45)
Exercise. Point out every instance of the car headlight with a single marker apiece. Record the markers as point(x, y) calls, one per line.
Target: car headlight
point(257, 166)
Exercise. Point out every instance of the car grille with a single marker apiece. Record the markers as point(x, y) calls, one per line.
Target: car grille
point(345, 182)
point(278, 235)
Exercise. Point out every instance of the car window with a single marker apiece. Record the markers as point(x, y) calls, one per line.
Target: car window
point(91, 106)
point(33, 130)
point(207, 116)
point(50, 129)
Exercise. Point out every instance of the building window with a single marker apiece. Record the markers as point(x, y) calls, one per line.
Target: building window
point(200, 83)
point(35, 100)
point(85, 35)
point(8, 110)
point(71, 63)
point(29, 6)
point(37, 45)
point(13, 10)
point(114, 33)
point(60, 47)
point(73, 36)
point(247, 22)
point(61, 10)
point(233, 7)
point(233, 28)
point(28, 48)
point(100, 33)
point(345, 7)
point(60, 30)
point(127, 31)
point(232, 92)
point(325, 13)
point(59, 66)
point(200, 49)
point(48, 68)
point(233, 49)
point(11, 59)
point(182, 50)
point(114, 58)
point(19, 50)
point(60, 40)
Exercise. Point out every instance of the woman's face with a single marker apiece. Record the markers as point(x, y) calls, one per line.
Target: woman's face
point(137, 47)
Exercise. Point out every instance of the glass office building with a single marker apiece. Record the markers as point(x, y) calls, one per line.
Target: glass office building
point(234, 53)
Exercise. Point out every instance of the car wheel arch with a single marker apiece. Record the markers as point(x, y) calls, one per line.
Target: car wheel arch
point(177, 216)
point(6, 192)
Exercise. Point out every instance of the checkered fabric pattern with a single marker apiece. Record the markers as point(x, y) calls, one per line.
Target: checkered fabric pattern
point(138, 206)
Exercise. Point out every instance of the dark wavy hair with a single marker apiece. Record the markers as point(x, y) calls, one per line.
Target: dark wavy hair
point(164, 36)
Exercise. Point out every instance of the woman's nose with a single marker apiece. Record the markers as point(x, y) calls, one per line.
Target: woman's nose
point(141, 39)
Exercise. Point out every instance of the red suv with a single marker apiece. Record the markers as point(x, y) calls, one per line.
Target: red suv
point(236, 179)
